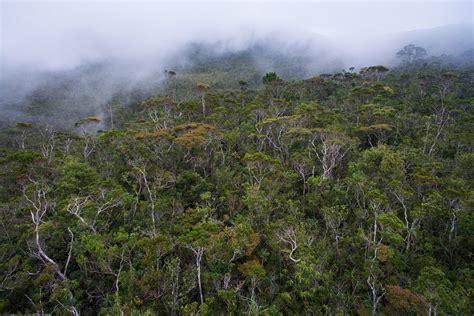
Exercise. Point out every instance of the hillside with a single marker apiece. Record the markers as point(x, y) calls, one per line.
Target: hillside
point(223, 189)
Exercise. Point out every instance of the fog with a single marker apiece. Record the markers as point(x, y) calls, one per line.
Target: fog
point(141, 39)
point(60, 34)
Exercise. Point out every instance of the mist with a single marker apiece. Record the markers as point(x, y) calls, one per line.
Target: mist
point(132, 43)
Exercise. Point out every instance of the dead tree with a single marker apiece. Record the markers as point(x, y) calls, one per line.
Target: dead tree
point(39, 207)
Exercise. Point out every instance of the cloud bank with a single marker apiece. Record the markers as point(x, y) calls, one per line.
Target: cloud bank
point(61, 35)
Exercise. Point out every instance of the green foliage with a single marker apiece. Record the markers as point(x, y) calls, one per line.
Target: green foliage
point(259, 156)
point(252, 269)
point(271, 77)
point(203, 86)
point(291, 198)
point(24, 124)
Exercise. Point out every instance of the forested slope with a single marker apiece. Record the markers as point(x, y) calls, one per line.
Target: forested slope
point(340, 194)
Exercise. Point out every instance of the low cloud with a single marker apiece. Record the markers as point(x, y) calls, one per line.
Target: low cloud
point(135, 41)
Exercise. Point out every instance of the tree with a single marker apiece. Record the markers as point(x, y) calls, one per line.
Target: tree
point(171, 77)
point(203, 88)
point(259, 165)
point(88, 126)
point(403, 301)
point(329, 147)
point(289, 237)
point(374, 71)
point(441, 109)
point(410, 53)
point(434, 286)
point(198, 240)
point(274, 83)
point(24, 130)
point(35, 194)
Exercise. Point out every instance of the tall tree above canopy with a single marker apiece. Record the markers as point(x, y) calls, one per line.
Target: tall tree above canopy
point(411, 52)
point(271, 77)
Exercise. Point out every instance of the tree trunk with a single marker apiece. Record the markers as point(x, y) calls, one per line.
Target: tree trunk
point(203, 101)
point(198, 253)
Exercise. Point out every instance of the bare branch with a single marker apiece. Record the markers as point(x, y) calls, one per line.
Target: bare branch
point(290, 238)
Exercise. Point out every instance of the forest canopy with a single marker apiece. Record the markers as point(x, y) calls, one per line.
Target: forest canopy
point(344, 193)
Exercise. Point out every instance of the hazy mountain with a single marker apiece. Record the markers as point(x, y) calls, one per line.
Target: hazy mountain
point(61, 97)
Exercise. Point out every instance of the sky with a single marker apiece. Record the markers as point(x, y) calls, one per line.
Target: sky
point(59, 35)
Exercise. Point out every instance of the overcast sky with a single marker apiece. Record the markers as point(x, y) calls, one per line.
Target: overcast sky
point(64, 34)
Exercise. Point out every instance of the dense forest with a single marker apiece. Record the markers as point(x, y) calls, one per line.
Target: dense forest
point(345, 193)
